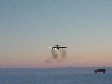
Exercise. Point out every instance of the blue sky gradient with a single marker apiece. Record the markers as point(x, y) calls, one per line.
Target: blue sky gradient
point(29, 27)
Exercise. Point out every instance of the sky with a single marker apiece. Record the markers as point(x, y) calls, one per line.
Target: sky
point(29, 27)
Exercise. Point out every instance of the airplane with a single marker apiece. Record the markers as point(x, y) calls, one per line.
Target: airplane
point(57, 47)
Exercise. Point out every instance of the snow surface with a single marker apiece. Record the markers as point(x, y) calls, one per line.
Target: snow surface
point(54, 76)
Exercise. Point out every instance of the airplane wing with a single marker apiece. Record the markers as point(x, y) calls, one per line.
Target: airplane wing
point(62, 47)
point(59, 47)
point(54, 47)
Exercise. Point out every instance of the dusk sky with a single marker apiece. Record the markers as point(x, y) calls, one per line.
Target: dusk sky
point(29, 27)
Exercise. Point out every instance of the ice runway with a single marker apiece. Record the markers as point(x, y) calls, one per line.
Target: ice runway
point(54, 76)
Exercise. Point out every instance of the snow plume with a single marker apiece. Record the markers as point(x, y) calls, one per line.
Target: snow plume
point(54, 54)
point(57, 55)
point(63, 54)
